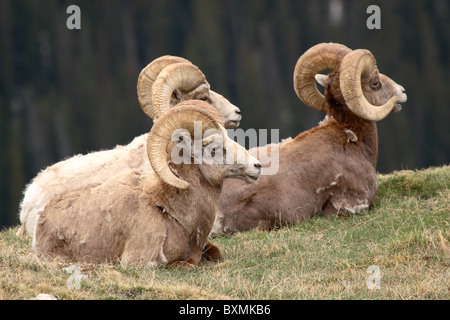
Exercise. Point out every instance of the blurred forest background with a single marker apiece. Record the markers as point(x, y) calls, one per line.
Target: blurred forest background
point(64, 92)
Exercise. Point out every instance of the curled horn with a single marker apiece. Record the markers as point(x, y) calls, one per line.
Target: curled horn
point(355, 65)
point(183, 76)
point(318, 58)
point(147, 78)
point(179, 117)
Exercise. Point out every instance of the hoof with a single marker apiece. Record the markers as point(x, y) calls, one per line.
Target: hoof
point(211, 252)
point(185, 264)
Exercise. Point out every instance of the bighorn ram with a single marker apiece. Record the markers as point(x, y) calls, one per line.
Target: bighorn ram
point(329, 168)
point(176, 80)
point(161, 218)
point(190, 84)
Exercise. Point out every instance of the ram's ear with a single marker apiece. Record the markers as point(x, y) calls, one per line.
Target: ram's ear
point(176, 97)
point(182, 138)
point(212, 135)
point(208, 140)
point(321, 79)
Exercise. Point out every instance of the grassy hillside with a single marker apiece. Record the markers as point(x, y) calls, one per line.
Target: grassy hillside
point(406, 234)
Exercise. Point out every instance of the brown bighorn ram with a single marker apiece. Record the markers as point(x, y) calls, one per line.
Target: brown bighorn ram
point(177, 80)
point(163, 217)
point(329, 168)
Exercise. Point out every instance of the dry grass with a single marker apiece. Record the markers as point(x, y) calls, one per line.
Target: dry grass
point(406, 234)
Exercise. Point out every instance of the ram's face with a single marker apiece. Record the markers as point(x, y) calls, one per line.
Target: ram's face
point(231, 159)
point(378, 89)
point(231, 114)
point(201, 92)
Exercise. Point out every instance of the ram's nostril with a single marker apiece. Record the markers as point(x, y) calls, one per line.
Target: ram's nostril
point(238, 111)
point(258, 165)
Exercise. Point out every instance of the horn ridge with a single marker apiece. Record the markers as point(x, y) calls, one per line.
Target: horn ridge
point(183, 76)
point(353, 67)
point(179, 117)
point(318, 58)
point(147, 78)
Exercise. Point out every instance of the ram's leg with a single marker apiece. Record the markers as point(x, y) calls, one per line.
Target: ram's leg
point(211, 252)
point(143, 249)
point(345, 205)
point(328, 209)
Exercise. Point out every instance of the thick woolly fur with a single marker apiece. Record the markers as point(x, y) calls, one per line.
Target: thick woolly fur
point(330, 168)
point(133, 218)
point(138, 219)
point(90, 170)
point(78, 172)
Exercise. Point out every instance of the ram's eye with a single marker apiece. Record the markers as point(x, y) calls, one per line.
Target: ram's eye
point(216, 149)
point(376, 85)
point(204, 99)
